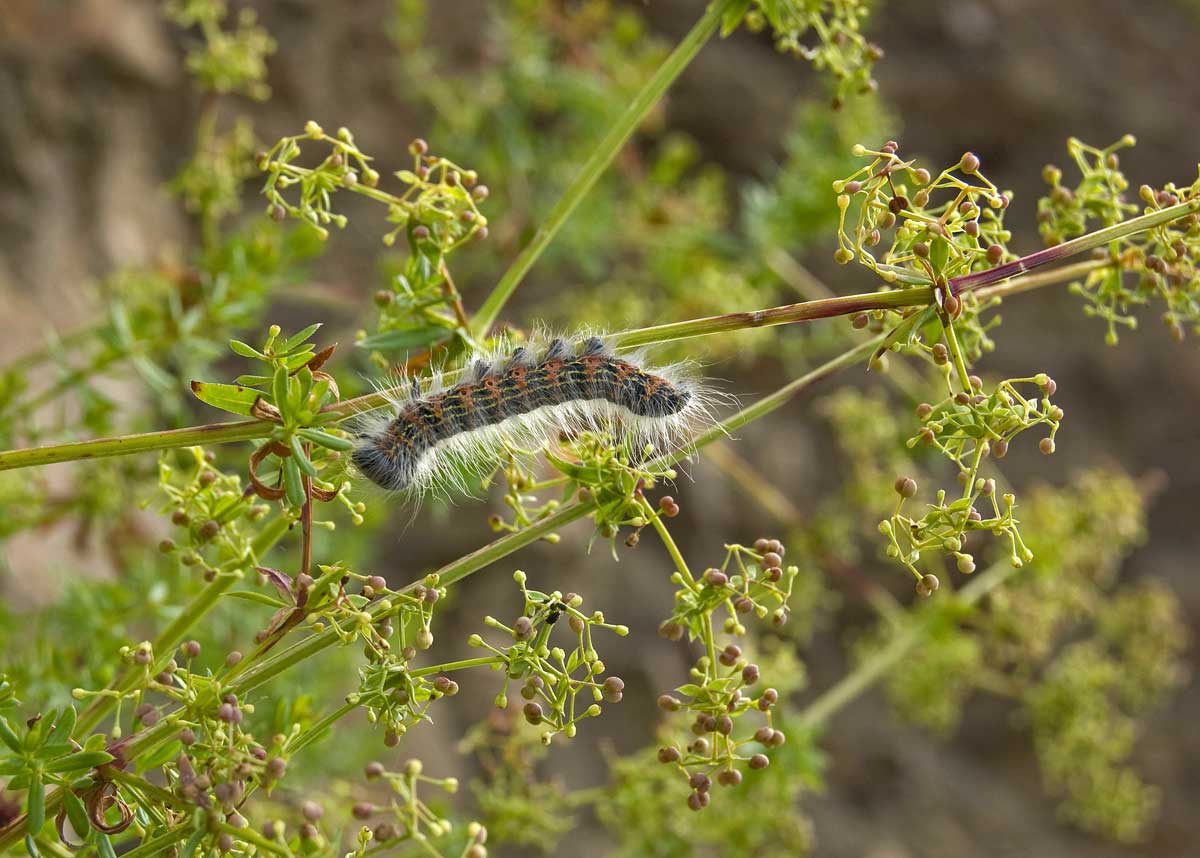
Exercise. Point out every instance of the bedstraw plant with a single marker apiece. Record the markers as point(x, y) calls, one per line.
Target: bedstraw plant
point(193, 701)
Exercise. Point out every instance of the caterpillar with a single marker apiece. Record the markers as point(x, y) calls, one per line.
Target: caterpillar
point(524, 399)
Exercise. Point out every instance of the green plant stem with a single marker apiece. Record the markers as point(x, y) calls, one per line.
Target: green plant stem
point(464, 664)
point(602, 155)
point(314, 732)
point(902, 642)
point(273, 665)
point(668, 542)
point(1074, 247)
point(769, 403)
point(221, 433)
point(254, 837)
point(805, 311)
point(123, 445)
point(448, 574)
point(159, 845)
point(956, 353)
point(1029, 282)
point(170, 637)
point(54, 847)
point(144, 786)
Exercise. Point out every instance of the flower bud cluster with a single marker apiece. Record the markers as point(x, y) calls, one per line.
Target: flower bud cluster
point(1156, 264)
point(726, 685)
point(559, 687)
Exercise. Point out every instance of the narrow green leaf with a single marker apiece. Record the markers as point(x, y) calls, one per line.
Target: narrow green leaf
point(189, 848)
point(120, 320)
point(319, 393)
point(733, 16)
point(65, 725)
point(939, 254)
point(31, 847)
point(35, 737)
point(260, 598)
point(279, 387)
point(104, 847)
point(299, 337)
point(35, 804)
point(300, 358)
point(331, 442)
point(246, 350)
point(300, 457)
point(253, 380)
point(154, 375)
point(408, 338)
point(165, 753)
point(228, 397)
point(95, 742)
point(570, 469)
point(80, 760)
point(9, 737)
point(293, 484)
point(51, 750)
point(76, 813)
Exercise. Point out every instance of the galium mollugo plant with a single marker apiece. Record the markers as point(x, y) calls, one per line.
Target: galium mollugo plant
point(177, 747)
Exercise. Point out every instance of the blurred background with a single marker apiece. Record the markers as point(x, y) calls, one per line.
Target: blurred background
point(98, 116)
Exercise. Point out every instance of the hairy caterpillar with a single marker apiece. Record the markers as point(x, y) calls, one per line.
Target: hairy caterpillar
point(523, 400)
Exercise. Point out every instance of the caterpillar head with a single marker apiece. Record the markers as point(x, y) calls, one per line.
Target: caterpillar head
point(389, 466)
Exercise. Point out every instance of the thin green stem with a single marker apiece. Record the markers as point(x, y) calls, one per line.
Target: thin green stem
point(1030, 282)
point(310, 646)
point(956, 353)
point(170, 637)
point(1074, 247)
point(602, 155)
point(805, 311)
point(669, 543)
point(144, 787)
point(249, 834)
point(123, 445)
point(54, 847)
point(464, 664)
point(769, 403)
point(710, 646)
point(158, 845)
point(448, 574)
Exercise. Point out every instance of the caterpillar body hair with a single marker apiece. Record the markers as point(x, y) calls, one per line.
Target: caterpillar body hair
point(524, 398)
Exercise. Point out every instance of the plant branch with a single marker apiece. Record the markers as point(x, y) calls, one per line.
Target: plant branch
point(170, 637)
point(1074, 247)
point(220, 433)
point(602, 155)
point(270, 667)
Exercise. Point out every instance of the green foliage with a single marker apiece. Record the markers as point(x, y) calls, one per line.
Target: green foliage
point(792, 208)
point(1160, 264)
point(187, 738)
point(229, 60)
point(837, 45)
point(1070, 647)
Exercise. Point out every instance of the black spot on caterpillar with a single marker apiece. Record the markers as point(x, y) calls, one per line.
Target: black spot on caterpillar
point(525, 400)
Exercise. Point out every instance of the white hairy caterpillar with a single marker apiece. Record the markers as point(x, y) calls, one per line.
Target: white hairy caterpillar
point(526, 398)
